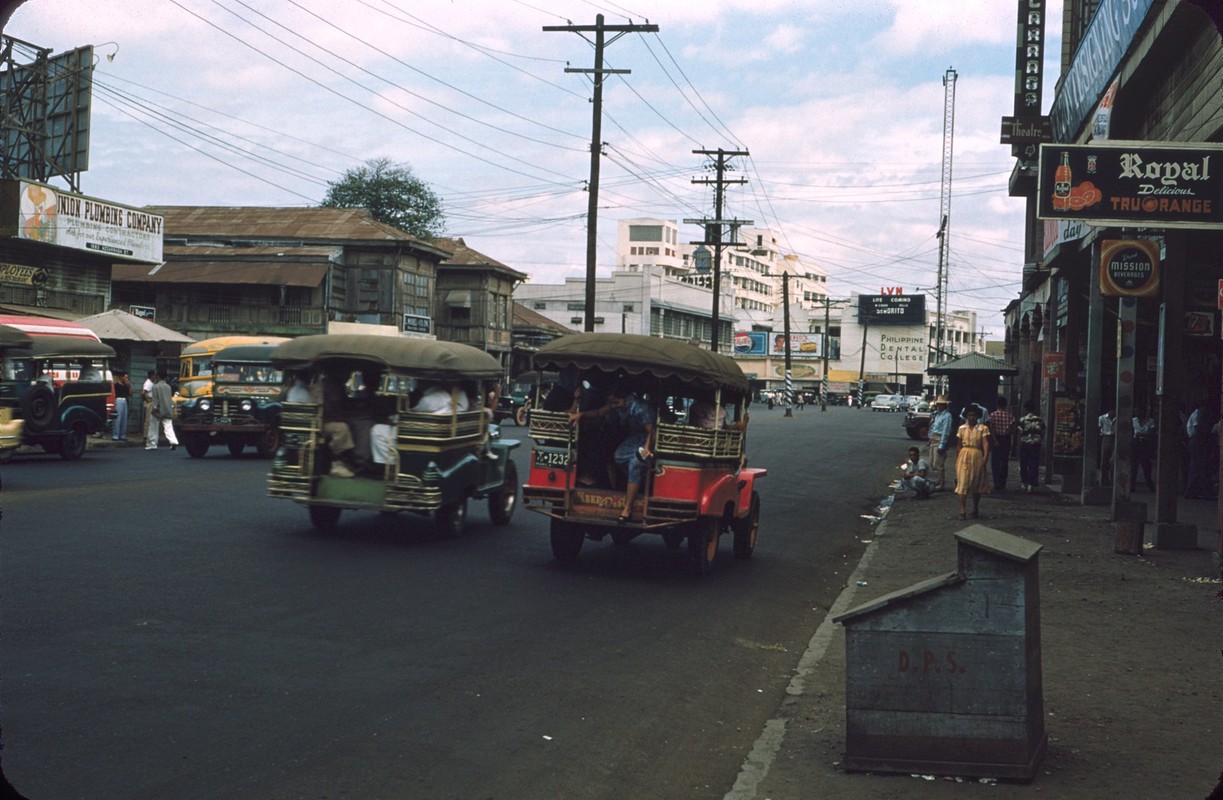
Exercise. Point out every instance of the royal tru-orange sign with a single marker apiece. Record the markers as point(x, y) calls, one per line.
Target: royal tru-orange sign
point(1132, 183)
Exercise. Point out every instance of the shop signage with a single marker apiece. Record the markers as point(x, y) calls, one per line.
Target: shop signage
point(41, 213)
point(1104, 44)
point(1026, 130)
point(144, 312)
point(415, 324)
point(762, 344)
point(1029, 59)
point(1199, 323)
point(1132, 183)
point(1062, 231)
point(1055, 365)
point(23, 275)
point(1129, 268)
point(892, 309)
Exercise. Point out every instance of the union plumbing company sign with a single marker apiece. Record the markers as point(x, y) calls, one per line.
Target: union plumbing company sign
point(40, 213)
point(1132, 183)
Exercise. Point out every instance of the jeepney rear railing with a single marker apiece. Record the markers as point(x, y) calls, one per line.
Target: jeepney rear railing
point(301, 425)
point(686, 441)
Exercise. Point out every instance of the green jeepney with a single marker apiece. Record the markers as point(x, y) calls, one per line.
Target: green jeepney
point(429, 463)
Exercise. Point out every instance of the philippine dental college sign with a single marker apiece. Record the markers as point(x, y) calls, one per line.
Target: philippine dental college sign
point(1132, 183)
point(40, 213)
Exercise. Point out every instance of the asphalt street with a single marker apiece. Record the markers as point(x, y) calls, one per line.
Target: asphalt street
point(169, 631)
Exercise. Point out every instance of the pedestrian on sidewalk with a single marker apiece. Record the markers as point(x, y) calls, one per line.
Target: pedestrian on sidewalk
point(146, 404)
point(1145, 445)
point(939, 434)
point(1001, 428)
point(123, 393)
point(970, 475)
point(914, 475)
point(1200, 485)
point(161, 416)
point(1031, 436)
point(1108, 441)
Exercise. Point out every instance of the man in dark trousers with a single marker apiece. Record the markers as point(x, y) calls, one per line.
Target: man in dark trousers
point(1001, 426)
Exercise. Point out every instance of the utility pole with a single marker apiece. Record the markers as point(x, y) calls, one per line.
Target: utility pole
point(599, 29)
point(785, 301)
point(824, 350)
point(949, 78)
point(716, 228)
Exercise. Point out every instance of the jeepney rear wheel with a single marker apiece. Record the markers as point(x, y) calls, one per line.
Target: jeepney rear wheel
point(38, 407)
point(450, 518)
point(73, 445)
point(196, 444)
point(703, 543)
point(745, 529)
point(503, 501)
point(268, 442)
point(235, 448)
point(566, 541)
point(325, 518)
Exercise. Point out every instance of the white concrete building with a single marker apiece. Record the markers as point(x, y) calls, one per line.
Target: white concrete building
point(645, 300)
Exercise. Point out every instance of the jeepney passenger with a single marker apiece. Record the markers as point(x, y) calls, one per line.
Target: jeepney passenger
point(633, 453)
point(329, 392)
point(436, 398)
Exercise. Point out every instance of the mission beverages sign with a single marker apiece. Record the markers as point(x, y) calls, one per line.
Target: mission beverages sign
point(1129, 183)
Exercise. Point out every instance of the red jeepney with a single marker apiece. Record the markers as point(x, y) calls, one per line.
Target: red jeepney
point(697, 485)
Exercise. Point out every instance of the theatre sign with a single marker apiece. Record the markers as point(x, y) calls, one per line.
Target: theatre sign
point(37, 212)
point(1133, 183)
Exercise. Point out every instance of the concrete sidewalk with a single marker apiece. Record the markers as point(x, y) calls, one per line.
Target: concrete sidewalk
point(1130, 653)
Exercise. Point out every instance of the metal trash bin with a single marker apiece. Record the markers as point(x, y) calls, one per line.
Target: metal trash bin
point(944, 677)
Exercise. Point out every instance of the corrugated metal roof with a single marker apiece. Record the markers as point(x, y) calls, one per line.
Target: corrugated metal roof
point(312, 252)
point(263, 223)
point(973, 362)
point(465, 256)
point(116, 325)
point(525, 319)
point(264, 273)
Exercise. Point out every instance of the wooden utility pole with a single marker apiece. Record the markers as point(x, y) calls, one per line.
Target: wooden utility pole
point(717, 228)
point(599, 29)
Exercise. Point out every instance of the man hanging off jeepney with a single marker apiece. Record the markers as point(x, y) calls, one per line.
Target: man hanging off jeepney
point(633, 454)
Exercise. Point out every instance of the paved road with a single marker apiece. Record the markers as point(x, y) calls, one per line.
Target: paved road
point(170, 632)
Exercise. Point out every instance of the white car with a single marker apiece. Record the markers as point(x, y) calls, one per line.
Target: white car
point(886, 402)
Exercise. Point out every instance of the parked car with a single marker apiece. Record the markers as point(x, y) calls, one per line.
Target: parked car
point(917, 421)
point(886, 402)
point(697, 485)
point(432, 463)
point(911, 402)
point(239, 406)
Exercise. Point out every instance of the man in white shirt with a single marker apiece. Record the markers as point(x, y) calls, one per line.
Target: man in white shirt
point(1108, 429)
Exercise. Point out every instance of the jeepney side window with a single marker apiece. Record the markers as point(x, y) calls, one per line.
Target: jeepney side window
point(18, 369)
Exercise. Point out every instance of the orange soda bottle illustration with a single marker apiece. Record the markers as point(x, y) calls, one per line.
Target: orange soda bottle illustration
point(1061, 183)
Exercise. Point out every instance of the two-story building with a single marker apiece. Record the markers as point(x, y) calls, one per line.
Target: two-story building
point(475, 300)
point(282, 271)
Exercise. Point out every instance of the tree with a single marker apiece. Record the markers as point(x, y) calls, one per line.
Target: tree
point(393, 194)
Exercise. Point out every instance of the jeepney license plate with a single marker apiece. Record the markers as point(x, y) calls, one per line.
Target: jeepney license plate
point(222, 420)
point(554, 458)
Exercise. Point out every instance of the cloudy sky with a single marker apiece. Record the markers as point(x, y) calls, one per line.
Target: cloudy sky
point(839, 102)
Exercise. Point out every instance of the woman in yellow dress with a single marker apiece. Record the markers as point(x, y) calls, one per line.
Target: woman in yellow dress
point(970, 473)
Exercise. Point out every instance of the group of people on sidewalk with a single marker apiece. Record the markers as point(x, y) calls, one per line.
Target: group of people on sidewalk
point(983, 438)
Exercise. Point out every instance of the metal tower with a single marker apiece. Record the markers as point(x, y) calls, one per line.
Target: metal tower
point(949, 78)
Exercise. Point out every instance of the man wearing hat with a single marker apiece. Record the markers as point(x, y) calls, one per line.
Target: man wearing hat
point(940, 439)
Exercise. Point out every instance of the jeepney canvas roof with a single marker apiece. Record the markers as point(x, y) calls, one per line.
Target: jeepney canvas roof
point(12, 337)
point(424, 358)
point(253, 353)
point(635, 354)
point(69, 346)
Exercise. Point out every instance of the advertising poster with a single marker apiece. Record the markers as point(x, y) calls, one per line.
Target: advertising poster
point(762, 343)
point(1067, 426)
point(46, 214)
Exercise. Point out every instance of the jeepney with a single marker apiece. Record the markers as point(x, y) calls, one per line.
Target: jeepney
point(241, 406)
point(14, 378)
point(425, 463)
point(697, 486)
point(195, 363)
point(63, 387)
